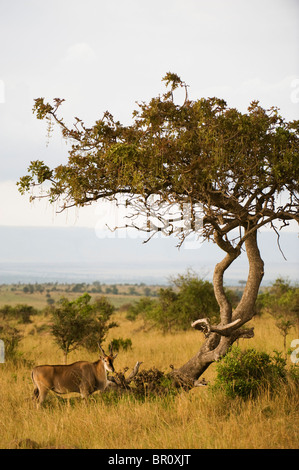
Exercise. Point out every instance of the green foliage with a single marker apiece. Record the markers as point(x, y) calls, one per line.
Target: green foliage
point(24, 312)
point(281, 300)
point(246, 373)
point(201, 152)
point(11, 338)
point(101, 323)
point(143, 307)
point(294, 373)
point(81, 287)
point(39, 172)
point(178, 306)
point(173, 79)
point(153, 383)
point(80, 323)
point(120, 343)
point(20, 312)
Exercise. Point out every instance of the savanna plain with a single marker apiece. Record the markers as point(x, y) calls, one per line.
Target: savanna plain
point(198, 419)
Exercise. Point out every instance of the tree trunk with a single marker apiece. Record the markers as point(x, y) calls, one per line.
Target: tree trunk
point(220, 337)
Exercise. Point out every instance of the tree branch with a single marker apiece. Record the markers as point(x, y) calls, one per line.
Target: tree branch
point(119, 381)
point(204, 325)
point(134, 372)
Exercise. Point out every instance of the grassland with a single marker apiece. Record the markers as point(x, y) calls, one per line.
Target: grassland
point(195, 420)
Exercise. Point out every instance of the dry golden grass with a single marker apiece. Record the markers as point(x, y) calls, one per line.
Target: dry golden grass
point(197, 419)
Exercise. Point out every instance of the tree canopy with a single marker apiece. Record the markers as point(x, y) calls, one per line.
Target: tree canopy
point(201, 152)
point(80, 322)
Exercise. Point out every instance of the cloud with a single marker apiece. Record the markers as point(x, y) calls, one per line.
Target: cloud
point(18, 211)
point(80, 52)
point(282, 93)
point(2, 92)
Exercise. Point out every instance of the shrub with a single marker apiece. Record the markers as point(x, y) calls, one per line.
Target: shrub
point(294, 373)
point(245, 373)
point(21, 312)
point(143, 307)
point(11, 338)
point(80, 323)
point(179, 305)
point(120, 343)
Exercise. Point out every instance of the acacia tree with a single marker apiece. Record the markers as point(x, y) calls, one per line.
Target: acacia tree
point(80, 323)
point(281, 300)
point(197, 167)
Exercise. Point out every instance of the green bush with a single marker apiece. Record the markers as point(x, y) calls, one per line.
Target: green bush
point(143, 307)
point(177, 306)
point(81, 323)
point(120, 343)
point(11, 338)
point(21, 312)
point(245, 373)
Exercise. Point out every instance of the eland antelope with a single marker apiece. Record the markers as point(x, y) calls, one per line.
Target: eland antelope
point(82, 377)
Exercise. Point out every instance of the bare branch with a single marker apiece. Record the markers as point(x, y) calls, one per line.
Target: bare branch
point(278, 237)
point(134, 372)
point(204, 325)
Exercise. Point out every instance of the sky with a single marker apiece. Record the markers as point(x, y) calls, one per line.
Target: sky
point(101, 55)
point(107, 55)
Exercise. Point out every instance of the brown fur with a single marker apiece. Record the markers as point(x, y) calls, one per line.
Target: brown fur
point(82, 377)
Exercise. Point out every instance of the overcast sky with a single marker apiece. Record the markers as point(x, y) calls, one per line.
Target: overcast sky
point(106, 55)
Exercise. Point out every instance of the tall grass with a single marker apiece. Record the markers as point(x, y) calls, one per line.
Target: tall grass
point(198, 419)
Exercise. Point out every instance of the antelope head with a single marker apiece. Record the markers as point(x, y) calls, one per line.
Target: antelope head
point(108, 359)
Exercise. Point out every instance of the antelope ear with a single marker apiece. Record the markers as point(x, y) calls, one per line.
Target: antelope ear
point(115, 356)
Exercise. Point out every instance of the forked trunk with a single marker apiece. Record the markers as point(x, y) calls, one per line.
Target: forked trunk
point(220, 337)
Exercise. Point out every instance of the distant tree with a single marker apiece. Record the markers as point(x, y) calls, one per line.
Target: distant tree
point(120, 343)
point(31, 288)
point(147, 291)
point(97, 288)
point(39, 288)
point(234, 296)
point(80, 323)
point(195, 168)
point(6, 311)
point(11, 337)
point(143, 307)
point(132, 290)
point(101, 323)
point(176, 307)
point(281, 300)
point(70, 323)
point(114, 289)
point(20, 312)
point(80, 287)
point(24, 312)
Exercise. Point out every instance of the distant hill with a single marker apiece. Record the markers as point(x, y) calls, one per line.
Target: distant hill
point(44, 254)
